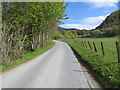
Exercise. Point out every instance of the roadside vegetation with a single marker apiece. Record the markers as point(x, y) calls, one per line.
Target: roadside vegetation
point(27, 27)
point(26, 57)
point(65, 34)
point(107, 67)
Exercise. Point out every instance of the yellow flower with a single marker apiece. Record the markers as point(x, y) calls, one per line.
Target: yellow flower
point(109, 76)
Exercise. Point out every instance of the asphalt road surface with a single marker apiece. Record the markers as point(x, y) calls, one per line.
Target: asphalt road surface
point(56, 68)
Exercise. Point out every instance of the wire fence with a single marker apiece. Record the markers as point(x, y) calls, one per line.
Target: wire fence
point(93, 46)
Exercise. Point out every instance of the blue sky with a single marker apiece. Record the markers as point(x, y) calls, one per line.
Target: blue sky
point(88, 15)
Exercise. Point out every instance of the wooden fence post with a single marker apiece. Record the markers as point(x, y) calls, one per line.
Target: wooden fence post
point(81, 43)
point(94, 47)
point(118, 51)
point(89, 45)
point(102, 48)
point(85, 44)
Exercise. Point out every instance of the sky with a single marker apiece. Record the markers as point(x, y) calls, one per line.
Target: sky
point(88, 14)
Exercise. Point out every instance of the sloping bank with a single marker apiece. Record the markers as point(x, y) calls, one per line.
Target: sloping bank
point(107, 72)
point(27, 57)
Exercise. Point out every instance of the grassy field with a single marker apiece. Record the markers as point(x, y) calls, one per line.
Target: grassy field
point(28, 56)
point(108, 43)
point(106, 66)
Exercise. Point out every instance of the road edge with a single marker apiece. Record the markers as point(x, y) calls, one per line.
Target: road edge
point(27, 60)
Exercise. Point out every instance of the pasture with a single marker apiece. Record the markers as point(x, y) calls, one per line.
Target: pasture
point(108, 45)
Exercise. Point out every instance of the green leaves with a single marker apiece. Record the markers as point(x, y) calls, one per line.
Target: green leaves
point(28, 26)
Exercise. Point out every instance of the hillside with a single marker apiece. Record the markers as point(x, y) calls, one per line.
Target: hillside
point(111, 21)
point(108, 28)
point(69, 29)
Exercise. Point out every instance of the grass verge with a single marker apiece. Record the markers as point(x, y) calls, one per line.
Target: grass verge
point(108, 71)
point(28, 56)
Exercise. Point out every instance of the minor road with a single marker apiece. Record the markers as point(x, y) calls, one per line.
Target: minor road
point(57, 68)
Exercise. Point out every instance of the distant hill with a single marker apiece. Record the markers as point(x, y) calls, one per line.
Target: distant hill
point(108, 28)
point(69, 29)
point(111, 21)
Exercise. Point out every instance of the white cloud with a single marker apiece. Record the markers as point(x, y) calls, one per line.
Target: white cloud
point(94, 20)
point(103, 4)
point(98, 3)
point(100, 0)
point(79, 26)
point(87, 23)
point(91, 0)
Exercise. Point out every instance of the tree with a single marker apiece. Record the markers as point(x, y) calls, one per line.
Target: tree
point(28, 27)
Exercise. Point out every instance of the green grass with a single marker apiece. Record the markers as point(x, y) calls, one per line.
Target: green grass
point(28, 56)
point(109, 46)
point(106, 66)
